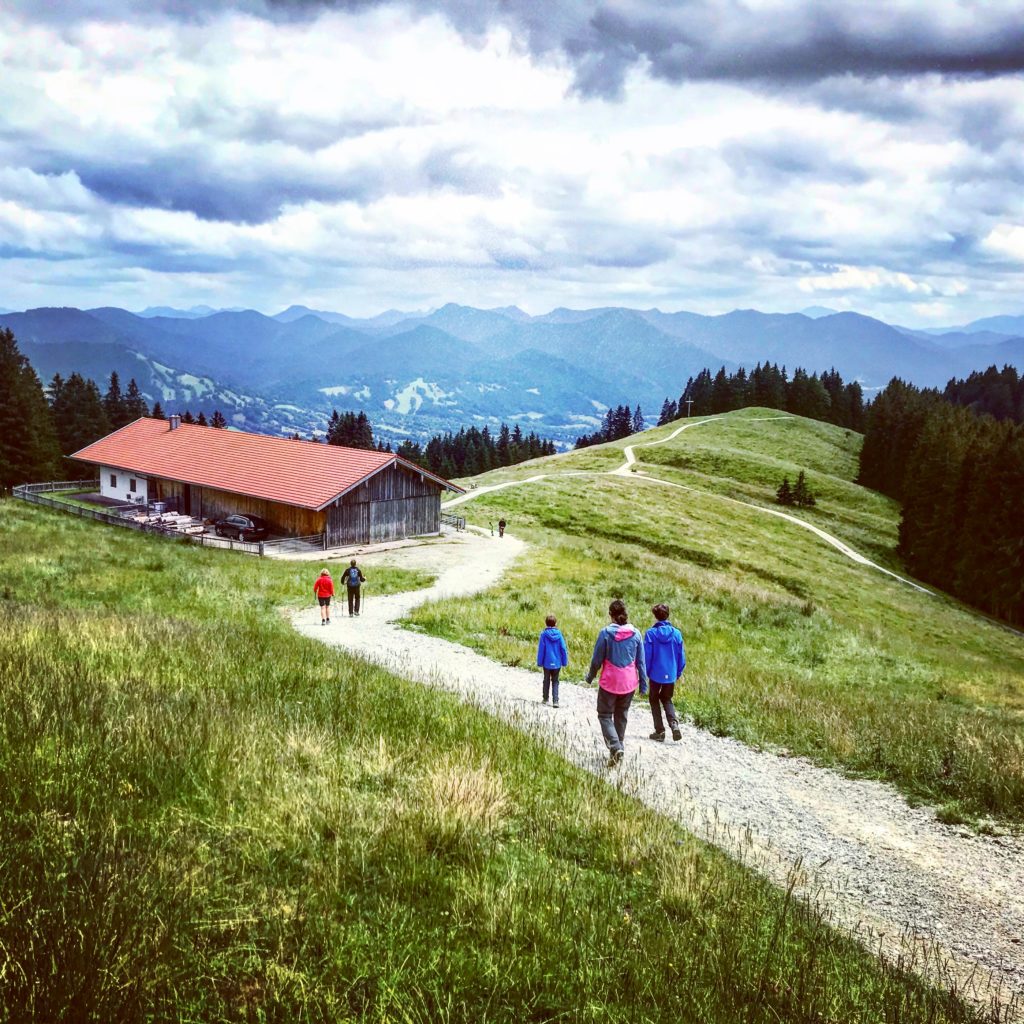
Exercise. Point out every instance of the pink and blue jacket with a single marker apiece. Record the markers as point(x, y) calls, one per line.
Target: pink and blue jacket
point(619, 657)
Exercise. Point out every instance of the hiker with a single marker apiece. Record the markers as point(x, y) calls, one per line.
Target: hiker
point(665, 660)
point(501, 527)
point(354, 579)
point(619, 657)
point(323, 590)
point(552, 656)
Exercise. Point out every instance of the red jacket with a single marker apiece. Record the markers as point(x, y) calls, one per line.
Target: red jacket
point(324, 586)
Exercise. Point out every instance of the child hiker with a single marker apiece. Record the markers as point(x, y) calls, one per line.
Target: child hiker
point(619, 657)
point(552, 656)
point(665, 660)
point(323, 591)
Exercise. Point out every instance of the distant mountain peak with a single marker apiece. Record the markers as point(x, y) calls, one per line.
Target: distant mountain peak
point(816, 312)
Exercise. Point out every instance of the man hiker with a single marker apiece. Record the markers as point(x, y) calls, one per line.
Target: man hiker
point(354, 579)
point(501, 527)
point(665, 660)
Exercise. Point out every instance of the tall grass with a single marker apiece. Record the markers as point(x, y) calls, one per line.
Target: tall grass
point(207, 817)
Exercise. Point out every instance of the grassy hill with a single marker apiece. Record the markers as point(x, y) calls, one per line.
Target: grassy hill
point(207, 817)
point(790, 643)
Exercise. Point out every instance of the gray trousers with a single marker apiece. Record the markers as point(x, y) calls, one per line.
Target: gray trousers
point(613, 713)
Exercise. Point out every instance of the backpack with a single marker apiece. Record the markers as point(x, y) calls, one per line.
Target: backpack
point(353, 577)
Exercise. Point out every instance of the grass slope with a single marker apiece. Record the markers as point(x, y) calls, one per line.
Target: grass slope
point(789, 642)
point(207, 817)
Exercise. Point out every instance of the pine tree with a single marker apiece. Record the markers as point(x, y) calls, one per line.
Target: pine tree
point(637, 424)
point(134, 403)
point(158, 411)
point(784, 495)
point(802, 497)
point(201, 419)
point(114, 403)
point(668, 412)
point(28, 442)
point(187, 417)
point(218, 420)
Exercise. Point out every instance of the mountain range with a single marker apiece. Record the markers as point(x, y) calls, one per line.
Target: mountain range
point(415, 373)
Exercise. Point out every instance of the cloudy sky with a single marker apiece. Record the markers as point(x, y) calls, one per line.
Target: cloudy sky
point(357, 156)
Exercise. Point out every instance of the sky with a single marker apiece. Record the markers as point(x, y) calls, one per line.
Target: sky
point(359, 156)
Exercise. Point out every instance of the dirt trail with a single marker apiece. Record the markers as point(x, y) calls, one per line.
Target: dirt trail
point(949, 900)
point(886, 871)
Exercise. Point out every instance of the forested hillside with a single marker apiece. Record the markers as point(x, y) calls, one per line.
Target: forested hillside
point(959, 472)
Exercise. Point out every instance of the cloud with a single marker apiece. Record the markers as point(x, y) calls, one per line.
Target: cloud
point(365, 155)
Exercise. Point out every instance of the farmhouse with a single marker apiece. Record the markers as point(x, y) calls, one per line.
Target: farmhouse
point(300, 487)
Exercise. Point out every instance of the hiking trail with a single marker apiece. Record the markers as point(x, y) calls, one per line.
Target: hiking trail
point(947, 901)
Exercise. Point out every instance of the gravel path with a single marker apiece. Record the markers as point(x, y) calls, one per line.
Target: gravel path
point(942, 900)
point(948, 902)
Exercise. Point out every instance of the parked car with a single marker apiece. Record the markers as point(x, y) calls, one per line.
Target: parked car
point(242, 527)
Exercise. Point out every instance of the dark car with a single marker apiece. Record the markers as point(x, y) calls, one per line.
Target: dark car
point(242, 527)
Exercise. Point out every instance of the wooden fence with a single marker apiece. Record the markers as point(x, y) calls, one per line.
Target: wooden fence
point(36, 494)
point(459, 522)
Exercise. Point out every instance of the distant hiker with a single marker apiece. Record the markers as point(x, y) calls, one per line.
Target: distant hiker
point(501, 527)
point(665, 659)
point(354, 579)
point(619, 657)
point(552, 656)
point(323, 590)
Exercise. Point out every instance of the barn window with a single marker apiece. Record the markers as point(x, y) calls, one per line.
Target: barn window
point(113, 479)
point(131, 485)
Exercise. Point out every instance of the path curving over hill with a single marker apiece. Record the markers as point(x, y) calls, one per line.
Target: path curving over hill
point(629, 469)
point(888, 872)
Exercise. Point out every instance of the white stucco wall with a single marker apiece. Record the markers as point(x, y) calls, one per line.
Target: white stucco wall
point(116, 483)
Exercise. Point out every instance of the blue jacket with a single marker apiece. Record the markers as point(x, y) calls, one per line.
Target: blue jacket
point(663, 653)
point(619, 658)
point(551, 650)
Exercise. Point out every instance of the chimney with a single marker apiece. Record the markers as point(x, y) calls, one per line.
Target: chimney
point(174, 421)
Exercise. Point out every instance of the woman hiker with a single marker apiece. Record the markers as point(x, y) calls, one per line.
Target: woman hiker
point(323, 591)
point(619, 658)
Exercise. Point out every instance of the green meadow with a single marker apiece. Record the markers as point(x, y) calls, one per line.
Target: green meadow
point(790, 644)
point(207, 817)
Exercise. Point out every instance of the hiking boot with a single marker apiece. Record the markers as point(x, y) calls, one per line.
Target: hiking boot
point(616, 758)
point(659, 736)
point(554, 703)
point(544, 700)
point(677, 733)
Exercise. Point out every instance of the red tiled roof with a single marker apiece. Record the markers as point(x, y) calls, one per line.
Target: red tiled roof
point(302, 473)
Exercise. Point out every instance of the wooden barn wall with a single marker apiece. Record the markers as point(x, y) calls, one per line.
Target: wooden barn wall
point(208, 503)
point(394, 504)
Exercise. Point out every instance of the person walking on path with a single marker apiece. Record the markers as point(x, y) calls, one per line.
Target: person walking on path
point(323, 591)
point(354, 579)
point(619, 658)
point(501, 527)
point(552, 656)
point(665, 660)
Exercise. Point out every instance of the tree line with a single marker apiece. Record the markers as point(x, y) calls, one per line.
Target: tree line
point(958, 471)
point(618, 423)
point(825, 397)
point(470, 451)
